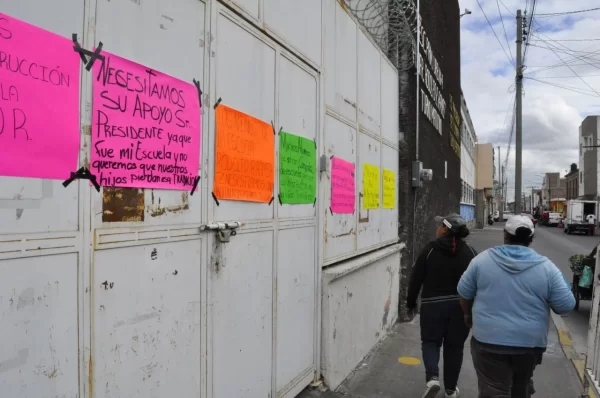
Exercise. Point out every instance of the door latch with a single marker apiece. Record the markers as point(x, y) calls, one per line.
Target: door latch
point(224, 230)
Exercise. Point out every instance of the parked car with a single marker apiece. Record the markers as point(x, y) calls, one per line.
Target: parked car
point(533, 220)
point(506, 215)
point(554, 218)
point(496, 216)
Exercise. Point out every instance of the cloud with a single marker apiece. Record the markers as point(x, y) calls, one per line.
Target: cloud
point(555, 100)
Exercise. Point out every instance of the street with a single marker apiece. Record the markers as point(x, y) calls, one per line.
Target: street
point(553, 243)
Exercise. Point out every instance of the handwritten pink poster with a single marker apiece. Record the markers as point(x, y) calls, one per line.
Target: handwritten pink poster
point(343, 194)
point(145, 127)
point(39, 102)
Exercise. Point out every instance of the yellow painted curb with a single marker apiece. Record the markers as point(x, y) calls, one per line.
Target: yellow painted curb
point(566, 343)
point(564, 337)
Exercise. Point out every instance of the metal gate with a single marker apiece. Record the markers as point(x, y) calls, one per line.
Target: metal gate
point(592, 361)
point(129, 292)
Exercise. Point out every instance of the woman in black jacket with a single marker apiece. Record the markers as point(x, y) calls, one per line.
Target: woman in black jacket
point(437, 271)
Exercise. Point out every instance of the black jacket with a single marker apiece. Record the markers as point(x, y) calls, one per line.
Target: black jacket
point(438, 270)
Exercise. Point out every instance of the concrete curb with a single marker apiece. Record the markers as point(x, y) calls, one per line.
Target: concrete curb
point(566, 343)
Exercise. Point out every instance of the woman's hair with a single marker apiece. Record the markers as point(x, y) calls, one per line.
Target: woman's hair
point(461, 232)
point(522, 236)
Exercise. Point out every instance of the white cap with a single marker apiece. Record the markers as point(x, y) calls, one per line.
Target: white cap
point(515, 222)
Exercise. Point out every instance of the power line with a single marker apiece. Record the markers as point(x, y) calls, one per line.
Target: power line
point(568, 77)
point(579, 57)
point(569, 52)
point(507, 9)
point(568, 40)
point(491, 27)
point(573, 89)
point(505, 35)
point(528, 34)
point(560, 64)
point(553, 14)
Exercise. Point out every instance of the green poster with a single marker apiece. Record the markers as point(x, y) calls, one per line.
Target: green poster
point(297, 169)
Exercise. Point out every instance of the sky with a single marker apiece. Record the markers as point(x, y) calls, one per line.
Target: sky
point(551, 115)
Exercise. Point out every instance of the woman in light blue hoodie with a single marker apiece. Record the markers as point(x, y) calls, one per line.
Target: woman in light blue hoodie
point(506, 295)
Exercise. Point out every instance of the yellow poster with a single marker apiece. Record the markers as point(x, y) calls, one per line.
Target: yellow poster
point(370, 186)
point(389, 189)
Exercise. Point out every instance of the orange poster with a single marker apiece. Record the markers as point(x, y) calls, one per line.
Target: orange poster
point(244, 157)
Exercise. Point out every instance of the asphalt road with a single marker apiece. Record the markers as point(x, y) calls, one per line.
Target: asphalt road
point(553, 243)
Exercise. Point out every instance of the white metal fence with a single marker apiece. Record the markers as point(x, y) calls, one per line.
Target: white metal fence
point(592, 362)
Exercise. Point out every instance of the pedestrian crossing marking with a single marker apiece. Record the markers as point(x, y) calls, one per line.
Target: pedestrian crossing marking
point(409, 361)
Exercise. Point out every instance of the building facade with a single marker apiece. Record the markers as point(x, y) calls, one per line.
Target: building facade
point(435, 139)
point(589, 172)
point(572, 181)
point(554, 191)
point(467, 165)
point(485, 170)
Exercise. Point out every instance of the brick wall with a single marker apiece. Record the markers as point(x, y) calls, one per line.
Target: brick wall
point(441, 195)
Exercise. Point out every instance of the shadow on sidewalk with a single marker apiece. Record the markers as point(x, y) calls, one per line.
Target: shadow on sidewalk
point(382, 375)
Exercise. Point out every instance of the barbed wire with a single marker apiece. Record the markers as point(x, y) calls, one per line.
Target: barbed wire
point(392, 24)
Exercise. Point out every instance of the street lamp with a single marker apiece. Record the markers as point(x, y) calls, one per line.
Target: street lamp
point(467, 12)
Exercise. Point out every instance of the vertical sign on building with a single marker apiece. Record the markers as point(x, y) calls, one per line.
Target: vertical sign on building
point(433, 79)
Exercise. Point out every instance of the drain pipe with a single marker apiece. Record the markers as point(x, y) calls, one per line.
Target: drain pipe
point(418, 63)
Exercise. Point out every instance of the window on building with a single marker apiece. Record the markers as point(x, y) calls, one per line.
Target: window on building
point(581, 177)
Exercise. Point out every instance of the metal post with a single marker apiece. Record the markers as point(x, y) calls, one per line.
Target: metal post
point(501, 180)
point(519, 110)
point(418, 64)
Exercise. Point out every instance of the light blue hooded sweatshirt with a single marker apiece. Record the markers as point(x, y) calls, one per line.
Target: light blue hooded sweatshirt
point(514, 289)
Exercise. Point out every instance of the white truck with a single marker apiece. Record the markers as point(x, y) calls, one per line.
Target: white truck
point(577, 212)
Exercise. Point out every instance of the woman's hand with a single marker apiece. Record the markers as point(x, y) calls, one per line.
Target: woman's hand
point(468, 321)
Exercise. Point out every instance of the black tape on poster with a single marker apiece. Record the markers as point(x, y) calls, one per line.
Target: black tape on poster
point(196, 180)
point(83, 53)
point(82, 174)
point(197, 84)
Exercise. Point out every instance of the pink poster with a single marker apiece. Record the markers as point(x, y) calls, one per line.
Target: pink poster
point(343, 194)
point(145, 127)
point(39, 102)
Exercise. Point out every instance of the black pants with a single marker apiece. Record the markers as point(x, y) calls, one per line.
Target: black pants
point(442, 323)
point(501, 375)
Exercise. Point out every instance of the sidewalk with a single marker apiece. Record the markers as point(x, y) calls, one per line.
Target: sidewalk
point(382, 375)
point(395, 370)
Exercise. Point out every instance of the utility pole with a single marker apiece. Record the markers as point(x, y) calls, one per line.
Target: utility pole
point(519, 110)
point(501, 183)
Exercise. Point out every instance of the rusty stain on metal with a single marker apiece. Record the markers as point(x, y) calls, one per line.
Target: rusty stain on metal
point(351, 232)
point(90, 376)
point(352, 104)
point(122, 205)
point(157, 210)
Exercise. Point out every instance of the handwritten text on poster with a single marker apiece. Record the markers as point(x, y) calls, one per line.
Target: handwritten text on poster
point(39, 102)
point(245, 157)
point(370, 186)
point(146, 127)
point(389, 189)
point(343, 194)
point(297, 169)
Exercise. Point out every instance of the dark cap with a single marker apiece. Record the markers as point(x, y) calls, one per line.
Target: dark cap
point(452, 221)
